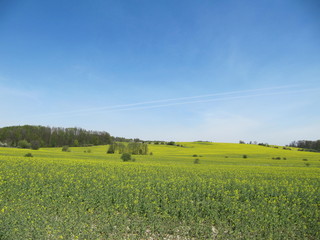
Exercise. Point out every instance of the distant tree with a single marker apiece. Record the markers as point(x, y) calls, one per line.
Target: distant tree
point(126, 157)
point(137, 148)
point(65, 149)
point(121, 148)
point(53, 137)
point(28, 155)
point(307, 145)
point(111, 149)
point(24, 144)
point(76, 143)
point(241, 142)
point(35, 144)
point(171, 143)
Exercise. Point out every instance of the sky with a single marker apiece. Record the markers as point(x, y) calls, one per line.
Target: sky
point(175, 70)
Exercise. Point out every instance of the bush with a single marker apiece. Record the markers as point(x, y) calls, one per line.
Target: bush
point(111, 149)
point(28, 155)
point(245, 156)
point(196, 161)
point(194, 155)
point(24, 144)
point(65, 149)
point(35, 145)
point(126, 157)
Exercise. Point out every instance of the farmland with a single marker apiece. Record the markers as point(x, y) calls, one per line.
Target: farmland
point(237, 191)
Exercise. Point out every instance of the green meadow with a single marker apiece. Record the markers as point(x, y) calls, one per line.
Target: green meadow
point(194, 191)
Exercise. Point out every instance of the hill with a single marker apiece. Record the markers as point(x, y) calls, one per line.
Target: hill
point(234, 191)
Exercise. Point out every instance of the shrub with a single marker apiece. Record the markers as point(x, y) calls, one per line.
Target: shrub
point(111, 149)
point(194, 155)
point(245, 156)
point(126, 157)
point(35, 145)
point(196, 161)
point(28, 155)
point(65, 149)
point(304, 159)
point(24, 144)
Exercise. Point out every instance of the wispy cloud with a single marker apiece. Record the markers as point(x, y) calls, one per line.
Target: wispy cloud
point(224, 96)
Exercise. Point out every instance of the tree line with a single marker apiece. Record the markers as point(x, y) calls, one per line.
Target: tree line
point(41, 136)
point(307, 145)
point(135, 148)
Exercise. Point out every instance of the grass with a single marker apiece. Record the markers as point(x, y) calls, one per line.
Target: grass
point(94, 195)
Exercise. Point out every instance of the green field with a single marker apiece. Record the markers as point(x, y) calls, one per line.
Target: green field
point(78, 195)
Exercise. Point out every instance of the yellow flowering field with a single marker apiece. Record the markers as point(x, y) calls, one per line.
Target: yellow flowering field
point(234, 191)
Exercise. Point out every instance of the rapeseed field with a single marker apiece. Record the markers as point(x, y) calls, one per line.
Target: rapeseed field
point(236, 191)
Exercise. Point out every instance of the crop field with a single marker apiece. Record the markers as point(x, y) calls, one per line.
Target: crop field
point(235, 191)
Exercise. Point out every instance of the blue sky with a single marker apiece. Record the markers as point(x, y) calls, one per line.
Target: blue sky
point(164, 70)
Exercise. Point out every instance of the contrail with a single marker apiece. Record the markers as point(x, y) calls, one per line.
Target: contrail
point(184, 98)
point(208, 100)
point(174, 101)
point(179, 101)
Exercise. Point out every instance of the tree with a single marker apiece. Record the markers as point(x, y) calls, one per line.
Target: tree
point(111, 149)
point(35, 145)
point(24, 144)
point(126, 157)
point(65, 149)
point(53, 137)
